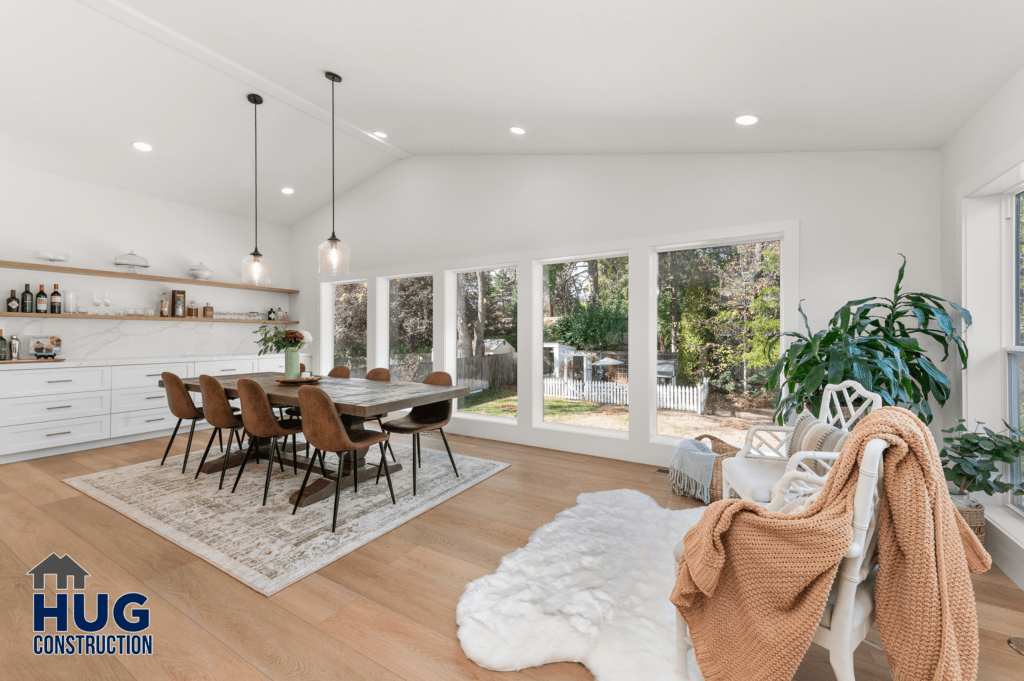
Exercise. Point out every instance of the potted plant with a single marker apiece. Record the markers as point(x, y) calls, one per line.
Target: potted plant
point(278, 339)
point(971, 459)
point(876, 342)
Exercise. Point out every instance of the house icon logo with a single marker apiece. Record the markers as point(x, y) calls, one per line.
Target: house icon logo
point(62, 568)
point(52, 624)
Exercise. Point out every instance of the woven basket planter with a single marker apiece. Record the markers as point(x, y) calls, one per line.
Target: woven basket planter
point(973, 514)
point(724, 450)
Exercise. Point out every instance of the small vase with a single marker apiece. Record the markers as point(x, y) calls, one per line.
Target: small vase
point(291, 362)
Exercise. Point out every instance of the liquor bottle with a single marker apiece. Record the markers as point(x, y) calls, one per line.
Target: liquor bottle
point(42, 301)
point(3, 347)
point(28, 304)
point(272, 315)
point(55, 301)
point(13, 304)
point(14, 347)
point(165, 309)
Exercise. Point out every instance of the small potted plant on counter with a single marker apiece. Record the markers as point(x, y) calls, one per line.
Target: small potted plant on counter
point(971, 461)
point(277, 339)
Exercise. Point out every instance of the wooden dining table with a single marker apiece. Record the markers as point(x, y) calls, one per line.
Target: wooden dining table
point(357, 400)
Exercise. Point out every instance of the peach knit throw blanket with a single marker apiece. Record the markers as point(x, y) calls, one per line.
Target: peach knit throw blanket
point(753, 584)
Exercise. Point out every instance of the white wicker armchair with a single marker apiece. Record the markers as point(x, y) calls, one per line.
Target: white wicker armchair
point(850, 611)
point(765, 456)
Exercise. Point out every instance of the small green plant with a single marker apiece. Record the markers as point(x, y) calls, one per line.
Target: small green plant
point(277, 338)
point(970, 458)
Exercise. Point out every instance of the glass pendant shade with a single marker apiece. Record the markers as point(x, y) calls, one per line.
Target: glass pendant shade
point(255, 270)
point(333, 257)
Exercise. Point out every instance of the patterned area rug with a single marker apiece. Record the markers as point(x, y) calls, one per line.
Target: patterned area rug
point(266, 547)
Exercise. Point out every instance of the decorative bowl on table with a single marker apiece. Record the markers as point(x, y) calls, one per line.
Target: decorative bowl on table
point(299, 381)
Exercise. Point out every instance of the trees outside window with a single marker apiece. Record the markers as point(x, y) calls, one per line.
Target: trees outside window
point(486, 341)
point(411, 327)
point(586, 343)
point(718, 321)
point(350, 327)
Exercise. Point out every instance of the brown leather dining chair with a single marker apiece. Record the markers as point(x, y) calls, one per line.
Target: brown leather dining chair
point(384, 375)
point(425, 418)
point(182, 406)
point(260, 422)
point(340, 371)
point(220, 415)
point(323, 427)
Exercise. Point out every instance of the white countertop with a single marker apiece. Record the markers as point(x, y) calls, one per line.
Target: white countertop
point(69, 364)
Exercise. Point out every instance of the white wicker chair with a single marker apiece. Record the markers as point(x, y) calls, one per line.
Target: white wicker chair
point(850, 611)
point(765, 456)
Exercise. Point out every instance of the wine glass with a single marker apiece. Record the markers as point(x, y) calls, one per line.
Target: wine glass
point(95, 303)
point(106, 302)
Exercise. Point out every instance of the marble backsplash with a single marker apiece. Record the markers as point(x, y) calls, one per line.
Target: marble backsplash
point(85, 339)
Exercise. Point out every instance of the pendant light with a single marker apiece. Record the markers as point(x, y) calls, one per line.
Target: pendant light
point(332, 254)
point(255, 268)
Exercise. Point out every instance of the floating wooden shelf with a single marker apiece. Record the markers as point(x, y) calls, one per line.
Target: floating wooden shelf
point(29, 361)
point(10, 264)
point(43, 317)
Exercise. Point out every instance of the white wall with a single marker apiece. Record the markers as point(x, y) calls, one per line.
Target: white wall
point(856, 211)
point(94, 224)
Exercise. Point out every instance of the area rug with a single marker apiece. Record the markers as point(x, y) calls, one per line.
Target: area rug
point(592, 586)
point(266, 547)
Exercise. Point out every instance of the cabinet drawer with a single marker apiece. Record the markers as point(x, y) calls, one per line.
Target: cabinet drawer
point(225, 367)
point(32, 382)
point(53, 434)
point(267, 364)
point(147, 375)
point(16, 411)
point(134, 399)
point(135, 422)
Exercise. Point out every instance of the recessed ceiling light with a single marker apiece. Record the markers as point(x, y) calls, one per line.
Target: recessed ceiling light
point(518, 131)
point(142, 146)
point(380, 134)
point(287, 190)
point(747, 119)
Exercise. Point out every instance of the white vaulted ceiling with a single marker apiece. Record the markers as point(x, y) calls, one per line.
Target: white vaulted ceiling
point(82, 79)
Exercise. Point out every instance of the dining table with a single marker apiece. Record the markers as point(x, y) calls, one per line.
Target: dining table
point(357, 401)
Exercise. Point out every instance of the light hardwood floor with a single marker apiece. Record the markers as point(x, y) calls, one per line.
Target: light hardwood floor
point(385, 611)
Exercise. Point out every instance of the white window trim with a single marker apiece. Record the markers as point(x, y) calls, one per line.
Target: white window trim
point(326, 324)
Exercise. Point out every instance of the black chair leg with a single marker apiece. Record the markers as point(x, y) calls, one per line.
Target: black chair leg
point(227, 457)
point(387, 472)
point(450, 457)
point(238, 436)
point(337, 491)
point(302, 489)
point(355, 473)
point(383, 461)
point(252, 444)
point(173, 435)
point(280, 459)
point(415, 444)
point(188, 445)
point(216, 431)
point(270, 469)
point(220, 440)
point(387, 443)
point(295, 456)
point(323, 464)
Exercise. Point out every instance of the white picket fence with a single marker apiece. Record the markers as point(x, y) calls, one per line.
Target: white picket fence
point(678, 397)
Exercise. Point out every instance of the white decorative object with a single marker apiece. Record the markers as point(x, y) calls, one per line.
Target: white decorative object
point(850, 614)
point(52, 256)
point(131, 261)
point(201, 272)
point(591, 586)
point(765, 457)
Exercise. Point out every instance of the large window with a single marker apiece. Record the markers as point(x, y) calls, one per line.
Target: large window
point(350, 327)
point(717, 323)
point(486, 341)
point(585, 347)
point(411, 328)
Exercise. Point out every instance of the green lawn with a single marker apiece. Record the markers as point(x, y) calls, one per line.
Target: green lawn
point(505, 403)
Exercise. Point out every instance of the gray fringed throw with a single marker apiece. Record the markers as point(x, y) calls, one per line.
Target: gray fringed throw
point(692, 467)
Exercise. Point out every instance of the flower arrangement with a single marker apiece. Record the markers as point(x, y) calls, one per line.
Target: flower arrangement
point(278, 339)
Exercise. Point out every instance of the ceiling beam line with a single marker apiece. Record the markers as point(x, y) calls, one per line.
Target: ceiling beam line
point(140, 22)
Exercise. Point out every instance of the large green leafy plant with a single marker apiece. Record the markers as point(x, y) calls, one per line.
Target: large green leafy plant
point(970, 458)
point(876, 342)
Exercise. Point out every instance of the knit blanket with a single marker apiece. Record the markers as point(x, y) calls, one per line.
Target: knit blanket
point(756, 581)
point(691, 469)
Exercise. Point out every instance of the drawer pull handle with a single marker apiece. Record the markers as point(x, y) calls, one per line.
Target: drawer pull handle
point(155, 397)
point(66, 406)
point(151, 420)
point(64, 380)
point(66, 432)
point(229, 369)
point(152, 375)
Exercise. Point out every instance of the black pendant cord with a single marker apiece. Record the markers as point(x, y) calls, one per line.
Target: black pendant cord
point(255, 178)
point(333, 237)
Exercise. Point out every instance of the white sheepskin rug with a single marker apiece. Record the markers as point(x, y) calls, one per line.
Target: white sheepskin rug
point(592, 586)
